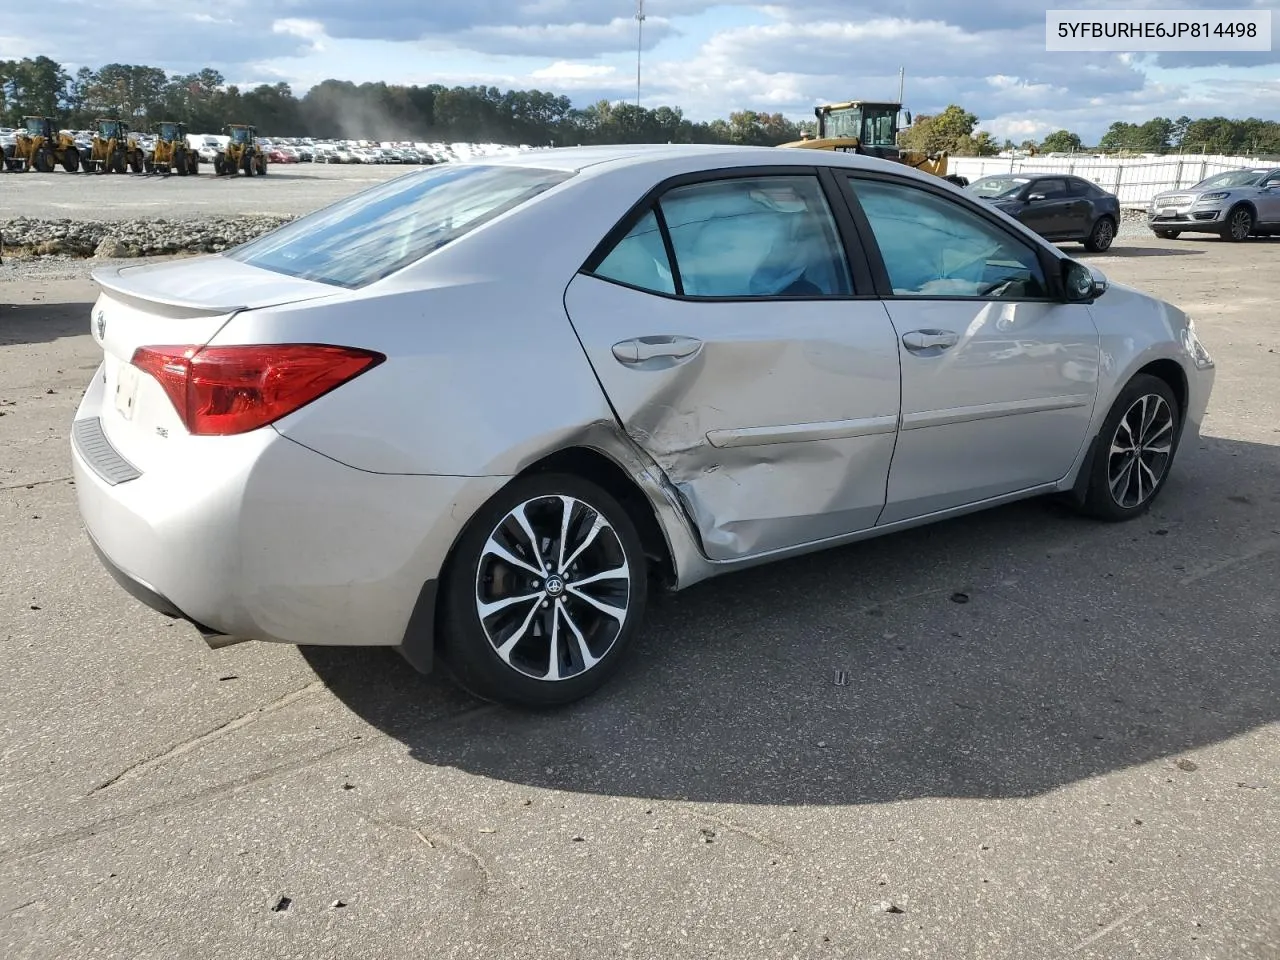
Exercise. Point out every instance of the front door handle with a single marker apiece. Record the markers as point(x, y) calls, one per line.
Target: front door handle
point(918, 340)
point(665, 347)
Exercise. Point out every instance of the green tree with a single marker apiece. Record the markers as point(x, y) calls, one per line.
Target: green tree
point(1060, 141)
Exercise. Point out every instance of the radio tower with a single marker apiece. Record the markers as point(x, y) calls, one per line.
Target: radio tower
point(639, 45)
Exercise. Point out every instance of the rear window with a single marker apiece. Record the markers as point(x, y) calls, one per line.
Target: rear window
point(378, 231)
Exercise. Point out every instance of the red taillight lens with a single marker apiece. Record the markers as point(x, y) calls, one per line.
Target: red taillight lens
point(223, 390)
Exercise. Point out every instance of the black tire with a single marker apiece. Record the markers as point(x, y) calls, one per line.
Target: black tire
point(118, 161)
point(1240, 221)
point(44, 162)
point(1168, 234)
point(179, 163)
point(1101, 236)
point(1107, 466)
point(246, 163)
point(137, 162)
point(71, 159)
point(474, 572)
point(218, 168)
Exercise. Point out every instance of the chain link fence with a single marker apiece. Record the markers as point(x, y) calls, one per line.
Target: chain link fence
point(1135, 181)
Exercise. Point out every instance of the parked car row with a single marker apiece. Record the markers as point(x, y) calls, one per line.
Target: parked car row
point(1235, 206)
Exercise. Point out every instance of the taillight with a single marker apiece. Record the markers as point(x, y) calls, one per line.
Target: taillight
point(223, 390)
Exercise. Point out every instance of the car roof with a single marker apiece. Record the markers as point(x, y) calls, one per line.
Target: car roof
point(614, 156)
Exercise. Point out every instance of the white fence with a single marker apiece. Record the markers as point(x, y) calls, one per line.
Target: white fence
point(1134, 181)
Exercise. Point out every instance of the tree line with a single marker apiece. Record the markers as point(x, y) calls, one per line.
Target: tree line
point(340, 109)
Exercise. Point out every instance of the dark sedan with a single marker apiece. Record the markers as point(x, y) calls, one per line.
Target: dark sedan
point(1059, 208)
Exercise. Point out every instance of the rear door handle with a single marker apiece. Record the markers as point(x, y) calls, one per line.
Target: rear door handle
point(665, 347)
point(918, 340)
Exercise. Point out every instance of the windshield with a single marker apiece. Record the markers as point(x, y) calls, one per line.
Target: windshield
point(993, 187)
point(1236, 178)
point(168, 131)
point(239, 135)
point(373, 234)
point(846, 122)
point(35, 125)
point(109, 129)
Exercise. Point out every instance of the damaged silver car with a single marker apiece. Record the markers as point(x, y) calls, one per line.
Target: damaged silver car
point(474, 412)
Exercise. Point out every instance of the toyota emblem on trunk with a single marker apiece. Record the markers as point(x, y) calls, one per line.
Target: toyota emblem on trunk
point(101, 320)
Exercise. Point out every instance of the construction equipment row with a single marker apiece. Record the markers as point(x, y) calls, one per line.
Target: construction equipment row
point(41, 147)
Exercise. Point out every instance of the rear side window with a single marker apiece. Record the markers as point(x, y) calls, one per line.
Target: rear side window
point(757, 237)
point(760, 237)
point(381, 230)
point(640, 259)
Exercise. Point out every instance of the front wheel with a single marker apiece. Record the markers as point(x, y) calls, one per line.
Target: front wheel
point(1136, 446)
point(543, 593)
point(71, 159)
point(1102, 235)
point(1239, 225)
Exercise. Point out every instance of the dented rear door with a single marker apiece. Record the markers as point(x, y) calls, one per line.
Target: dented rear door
point(775, 420)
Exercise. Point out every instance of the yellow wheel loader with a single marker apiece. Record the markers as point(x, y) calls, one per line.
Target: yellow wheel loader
point(871, 128)
point(173, 154)
point(40, 146)
point(241, 153)
point(114, 149)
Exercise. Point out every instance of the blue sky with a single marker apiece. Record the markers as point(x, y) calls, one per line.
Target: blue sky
point(704, 56)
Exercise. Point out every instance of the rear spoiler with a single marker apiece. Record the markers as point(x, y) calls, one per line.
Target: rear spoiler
point(109, 279)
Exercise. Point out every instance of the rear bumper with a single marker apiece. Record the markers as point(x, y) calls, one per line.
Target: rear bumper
point(264, 539)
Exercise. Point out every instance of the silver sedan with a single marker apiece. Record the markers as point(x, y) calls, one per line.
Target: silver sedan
point(475, 412)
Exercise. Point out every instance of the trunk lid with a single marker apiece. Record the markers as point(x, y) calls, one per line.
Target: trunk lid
point(181, 303)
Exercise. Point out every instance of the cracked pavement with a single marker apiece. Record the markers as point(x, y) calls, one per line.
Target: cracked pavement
point(1082, 761)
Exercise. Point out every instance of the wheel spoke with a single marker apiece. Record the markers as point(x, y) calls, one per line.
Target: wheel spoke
point(617, 613)
point(565, 516)
point(487, 610)
point(1157, 433)
point(504, 651)
point(617, 573)
point(1120, 483)
point(588, 661)
point(523, 520)
point(498, 550)
point(553, 655)
point(594, 532)
point(1159, 449)
point(1151, 475)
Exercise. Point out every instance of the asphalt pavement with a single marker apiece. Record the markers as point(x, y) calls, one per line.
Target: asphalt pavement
point(1016, 735)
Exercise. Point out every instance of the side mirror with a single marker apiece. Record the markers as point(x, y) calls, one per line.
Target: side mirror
point(907, 117)
point(1035, 196)
point(1081, 282)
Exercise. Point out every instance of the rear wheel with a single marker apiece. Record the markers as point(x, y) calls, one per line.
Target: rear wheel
point(71, 159)
point(1136, 446)
point(136, 161)
point(1102, 235)
point(118, 161)
point(44, 160)
point(543, 593)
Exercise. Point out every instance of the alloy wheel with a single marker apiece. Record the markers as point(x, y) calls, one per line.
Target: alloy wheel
point(553, 588)
point(1103, 235)
point(1241, 224)
point(1140, 451)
